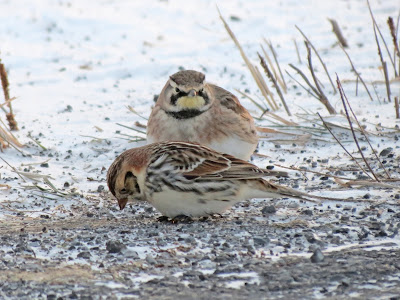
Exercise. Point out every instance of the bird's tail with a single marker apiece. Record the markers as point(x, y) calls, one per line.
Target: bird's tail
point(265, 189)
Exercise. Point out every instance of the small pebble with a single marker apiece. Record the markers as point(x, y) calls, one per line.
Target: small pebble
point(270, 209)
point(317, 256)
point(115, 246)
point(150, 260)
point(261, 241)
point(385, 152)
point(84, 254)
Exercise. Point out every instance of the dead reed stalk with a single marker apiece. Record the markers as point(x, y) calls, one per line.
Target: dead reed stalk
point(5, 85)
point(345, 103)
point(297, 51)
point(274, 83)
point(393, 33)
point(336, 30)
point(319, 57)
point(353, 68)
point(376, 28)
point(253, 70)
point(343, 147)
point(279, 78)
point(324, 100)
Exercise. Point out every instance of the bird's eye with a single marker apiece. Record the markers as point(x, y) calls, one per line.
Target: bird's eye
point(177, 90)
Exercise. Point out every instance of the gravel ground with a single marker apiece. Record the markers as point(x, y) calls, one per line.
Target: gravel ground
point(264, 249)
point(75, 66)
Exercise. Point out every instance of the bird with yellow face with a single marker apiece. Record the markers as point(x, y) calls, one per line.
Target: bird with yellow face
point(192, 110)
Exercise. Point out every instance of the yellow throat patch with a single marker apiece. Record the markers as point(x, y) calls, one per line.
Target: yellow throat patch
point(191, 102)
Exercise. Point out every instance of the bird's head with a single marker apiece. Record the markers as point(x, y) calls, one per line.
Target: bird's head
point(122, 177)
point(186, 95)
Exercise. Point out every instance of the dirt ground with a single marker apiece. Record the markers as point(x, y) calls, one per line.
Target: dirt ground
point(251, 252)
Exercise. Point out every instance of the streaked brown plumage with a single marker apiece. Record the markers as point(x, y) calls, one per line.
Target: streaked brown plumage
point(180, 178)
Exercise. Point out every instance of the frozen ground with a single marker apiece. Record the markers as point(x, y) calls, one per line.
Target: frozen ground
point(75, 66)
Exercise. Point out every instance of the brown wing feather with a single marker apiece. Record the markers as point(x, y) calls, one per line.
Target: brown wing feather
point(196, 161)
point(241, 169)
point(193, 160)
point(210, 164)
point(230, 101)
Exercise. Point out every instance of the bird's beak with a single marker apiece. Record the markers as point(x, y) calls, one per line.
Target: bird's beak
point(192, 93)
point(122, 203)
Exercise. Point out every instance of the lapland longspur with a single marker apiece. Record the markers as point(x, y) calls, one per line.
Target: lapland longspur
point(181, 178)
point(190, 109)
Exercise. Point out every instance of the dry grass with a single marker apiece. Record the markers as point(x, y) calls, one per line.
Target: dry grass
point(379, 176)
point(7, 139)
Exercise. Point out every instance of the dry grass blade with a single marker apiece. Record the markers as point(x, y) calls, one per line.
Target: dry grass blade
point(6, 103)
point(5, 186)
point(51, 185)
point(362, 129)
point(284, 138)
point(4, 82)
point(357, 74)
point(343, 96)
point(7, 138)
point(33, 176)
point(265, 86)
point(387, 83)
point(36, 142)
point(280, 119)
point(251, 68)
point(315, 91)
point(322, 98)
point(393, 33)
point(376, 27)
point(14, 169)
point(269, 61)
point(336, 30)
point(275, 84)
point(297, 51)
point(307, 90)
point(5, 85)
point(397, 34)
point(36, 163)
point(132, 138)
point(280, 78)
point(341, 126)
point(319, 57)
point(365, 183)
point(140, 125)
point(131, 109)
point(343, 147)
point(311, 171)
point(263, 109)
point(131, 128)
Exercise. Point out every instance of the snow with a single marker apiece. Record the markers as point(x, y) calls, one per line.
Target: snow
point(75, 67)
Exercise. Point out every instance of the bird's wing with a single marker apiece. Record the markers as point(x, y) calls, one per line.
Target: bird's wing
point(229, 100)
point(196, 161)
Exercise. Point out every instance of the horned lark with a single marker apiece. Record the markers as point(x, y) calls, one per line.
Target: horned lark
point(181, 178)
point(189, 109)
